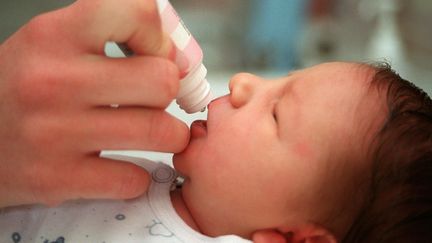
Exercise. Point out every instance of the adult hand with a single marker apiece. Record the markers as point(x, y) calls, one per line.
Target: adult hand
point(56, 89)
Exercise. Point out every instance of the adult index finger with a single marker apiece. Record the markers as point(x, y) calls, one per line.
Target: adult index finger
point(134, 22)
point(132, 128)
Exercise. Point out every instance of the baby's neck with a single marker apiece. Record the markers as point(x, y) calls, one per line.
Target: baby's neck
point(181, 209)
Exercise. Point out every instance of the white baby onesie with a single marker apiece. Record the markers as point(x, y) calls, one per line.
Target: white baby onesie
point(147, 219)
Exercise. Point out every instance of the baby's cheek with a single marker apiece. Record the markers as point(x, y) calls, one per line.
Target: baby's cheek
point(304, 150)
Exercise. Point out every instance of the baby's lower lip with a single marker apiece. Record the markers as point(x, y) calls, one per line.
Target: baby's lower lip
point(198, 128)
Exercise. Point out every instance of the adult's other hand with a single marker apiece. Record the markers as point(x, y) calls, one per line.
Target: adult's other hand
point(56, 89)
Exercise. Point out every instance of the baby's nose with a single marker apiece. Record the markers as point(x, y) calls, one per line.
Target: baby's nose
point(242, 86)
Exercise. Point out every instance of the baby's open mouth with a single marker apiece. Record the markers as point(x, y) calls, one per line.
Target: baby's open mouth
point(198, 128)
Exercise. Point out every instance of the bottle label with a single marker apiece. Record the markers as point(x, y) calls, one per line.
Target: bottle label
point(189, 53)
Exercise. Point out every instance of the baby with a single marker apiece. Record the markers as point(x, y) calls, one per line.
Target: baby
point(339, 152)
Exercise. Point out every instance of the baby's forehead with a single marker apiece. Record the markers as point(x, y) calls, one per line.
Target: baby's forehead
point(368, 96)
point(358, 80)
point(350, 89)
point(336, 78)
point(345, 71)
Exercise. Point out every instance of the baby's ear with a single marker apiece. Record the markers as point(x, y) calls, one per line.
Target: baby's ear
point(310, 233)
point(270, 236)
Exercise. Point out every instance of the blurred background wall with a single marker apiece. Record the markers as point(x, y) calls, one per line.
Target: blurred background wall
point(273, 37)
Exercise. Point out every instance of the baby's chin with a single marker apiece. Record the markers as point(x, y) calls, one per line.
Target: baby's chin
point(184, 160)
point(187, 152)
point(179, 162)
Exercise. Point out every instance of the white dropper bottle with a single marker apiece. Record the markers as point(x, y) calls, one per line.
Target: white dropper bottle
point(194, 94)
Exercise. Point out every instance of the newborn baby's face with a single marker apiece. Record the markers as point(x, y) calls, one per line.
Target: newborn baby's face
point(273, 152)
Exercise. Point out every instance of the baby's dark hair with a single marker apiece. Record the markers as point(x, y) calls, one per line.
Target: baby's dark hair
point(398, 207)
